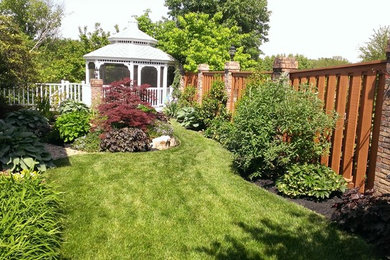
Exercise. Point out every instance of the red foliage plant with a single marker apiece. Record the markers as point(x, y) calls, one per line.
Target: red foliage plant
point(120, 106)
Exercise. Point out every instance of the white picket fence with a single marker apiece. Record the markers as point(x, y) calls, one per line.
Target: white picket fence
point(55, 93)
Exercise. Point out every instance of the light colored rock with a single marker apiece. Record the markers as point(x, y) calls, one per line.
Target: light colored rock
point(163, 142)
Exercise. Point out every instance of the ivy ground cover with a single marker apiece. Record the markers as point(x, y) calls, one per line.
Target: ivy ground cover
point(185, 203)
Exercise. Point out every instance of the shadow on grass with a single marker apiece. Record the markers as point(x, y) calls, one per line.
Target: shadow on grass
point(281, 242)
point(62, 162)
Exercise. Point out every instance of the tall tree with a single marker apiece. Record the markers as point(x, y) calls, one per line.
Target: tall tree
point(197, 38)
point(63, 58)
point(38, 19)
point(16, 61)
point(375, 48)
point(251, 16)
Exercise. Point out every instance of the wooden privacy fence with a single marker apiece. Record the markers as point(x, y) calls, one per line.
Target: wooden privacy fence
point(209, 78)
point(190, 79)
point(355, 92)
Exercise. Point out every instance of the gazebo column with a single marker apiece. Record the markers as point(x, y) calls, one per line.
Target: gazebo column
point(165, 80)
point(139, 81)
point(159, 96)
point(97, 69)
point(86, 72)
point(130, 67)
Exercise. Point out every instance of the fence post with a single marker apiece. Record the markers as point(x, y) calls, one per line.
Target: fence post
point(230, 66)
point(382, 170)
point(96, 92)
point(201, 68)
point(86, 93)
point(283, 65)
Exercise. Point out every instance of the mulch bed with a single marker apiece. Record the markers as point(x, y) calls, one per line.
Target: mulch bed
point(323, 207)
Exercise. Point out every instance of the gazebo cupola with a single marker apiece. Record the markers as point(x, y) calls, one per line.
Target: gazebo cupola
point(131, 53)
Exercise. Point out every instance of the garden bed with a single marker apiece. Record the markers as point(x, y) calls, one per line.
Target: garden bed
point(323, 207)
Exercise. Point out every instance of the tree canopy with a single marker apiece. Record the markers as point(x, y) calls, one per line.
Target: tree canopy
point(38, 19)
point(197, 38)
point(63, 58)
point(251, 17)
point(17, 66)
point(304, 62)
point(375, 48)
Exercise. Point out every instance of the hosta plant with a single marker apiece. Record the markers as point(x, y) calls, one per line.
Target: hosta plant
point(125, 140)
point(312, 180)
point(21, 150)
point(72, 125)
point(31, 120)
point(189, 117)
point(70, 106)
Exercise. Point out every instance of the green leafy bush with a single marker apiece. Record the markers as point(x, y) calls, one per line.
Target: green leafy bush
point(31, 120)
point(189, 117)
point(21, 150)
point(276, 126)
point(214, 104)
point(30, 219)
point(70, 106)
point(187, 97)
point(219, 129)
point(125, 140)
point(72, 125)
point(88, 143)
point(312, 180)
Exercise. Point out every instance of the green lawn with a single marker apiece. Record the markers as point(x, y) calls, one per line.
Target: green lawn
point(185, 203)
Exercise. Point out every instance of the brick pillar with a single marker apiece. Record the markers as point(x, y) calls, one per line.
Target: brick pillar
point(382, 170)
point(230, 67)
point(283, 64)
point(96, 92)
point(201, 68)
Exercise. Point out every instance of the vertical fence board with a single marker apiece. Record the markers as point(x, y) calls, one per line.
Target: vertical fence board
point(321, 87)
point(375, 131)
point(351, 125)
point(338, 132)
point(329, 106)
point(296, 83)
point(313, 83)
point(364, 130)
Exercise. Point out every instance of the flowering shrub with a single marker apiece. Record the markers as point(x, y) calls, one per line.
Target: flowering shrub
point(124, 106)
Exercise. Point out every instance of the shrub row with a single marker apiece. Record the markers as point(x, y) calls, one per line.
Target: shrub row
point(276, 132)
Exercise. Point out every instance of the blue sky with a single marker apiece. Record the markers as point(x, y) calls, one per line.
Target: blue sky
point(314, 28)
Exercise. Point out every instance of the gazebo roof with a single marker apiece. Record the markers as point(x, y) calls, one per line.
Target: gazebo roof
point(132, 33)
point(125, 51)
point(130, 44)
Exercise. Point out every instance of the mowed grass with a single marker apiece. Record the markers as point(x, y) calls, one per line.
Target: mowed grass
point(185, 203)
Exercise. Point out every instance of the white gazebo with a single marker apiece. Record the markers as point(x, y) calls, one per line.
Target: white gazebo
point(132, 53)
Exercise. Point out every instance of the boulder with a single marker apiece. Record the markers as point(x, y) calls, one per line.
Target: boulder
point(163, 142)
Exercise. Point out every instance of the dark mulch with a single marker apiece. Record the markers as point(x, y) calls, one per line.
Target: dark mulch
point(323, 207)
